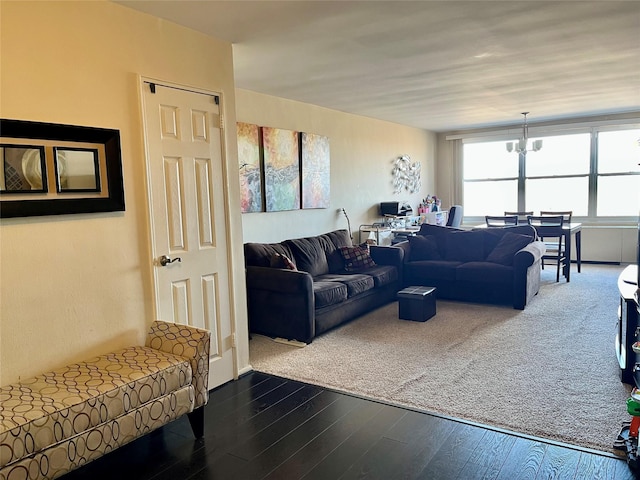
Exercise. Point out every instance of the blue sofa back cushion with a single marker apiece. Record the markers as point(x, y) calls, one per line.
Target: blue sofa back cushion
point(282, 261)
point(309, 254)
point(423, 247)
point(465, 246)
point(337, 239)
point(492, 236)
point(507, 247)
point(260, 254)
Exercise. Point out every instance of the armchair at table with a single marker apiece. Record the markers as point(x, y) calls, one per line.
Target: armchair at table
point(455, 216)
point(522, 216)
point(501, 220)
point(566, 214)
point(550, 231)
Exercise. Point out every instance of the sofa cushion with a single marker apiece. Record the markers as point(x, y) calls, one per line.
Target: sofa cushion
point(442, 269)
point(328, 293)
point(309, 254)
point(336, 239)
point(383, 275)
point(423, 247)
point(440, 233)
point(356, 258)
point(356, 283)
point(282, 261)
point(464, 246)
point(492, 236)
point(259, 254)
point(507, 247)
point(484, 272)
point(67, 401)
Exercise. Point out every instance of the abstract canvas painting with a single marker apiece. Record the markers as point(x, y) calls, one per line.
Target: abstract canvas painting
point(249, 165)
point(281, 169)
point(315, 171)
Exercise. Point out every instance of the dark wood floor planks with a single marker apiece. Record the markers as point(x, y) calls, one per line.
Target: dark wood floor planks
point(265, 427)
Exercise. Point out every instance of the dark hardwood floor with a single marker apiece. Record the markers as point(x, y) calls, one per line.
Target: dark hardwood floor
point(265, 427)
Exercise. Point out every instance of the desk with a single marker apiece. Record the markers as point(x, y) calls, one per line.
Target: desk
point(406, 230)
point(569, 230)
point(372, 228)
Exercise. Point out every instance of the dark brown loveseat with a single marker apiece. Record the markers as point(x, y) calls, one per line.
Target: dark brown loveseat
point(320, 293)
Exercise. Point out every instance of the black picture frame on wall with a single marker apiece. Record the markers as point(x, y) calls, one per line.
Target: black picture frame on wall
point(108, 194)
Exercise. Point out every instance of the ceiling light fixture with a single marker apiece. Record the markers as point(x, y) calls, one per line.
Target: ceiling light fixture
point(521, 145)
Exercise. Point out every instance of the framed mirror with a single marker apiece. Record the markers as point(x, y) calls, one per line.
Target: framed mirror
point(77, 169)
point(54, 169)
point(23, 169)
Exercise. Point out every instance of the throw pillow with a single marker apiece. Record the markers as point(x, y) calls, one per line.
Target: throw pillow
point(282, 261)
point(356, 258)
point(423, 247)
point(507, 247)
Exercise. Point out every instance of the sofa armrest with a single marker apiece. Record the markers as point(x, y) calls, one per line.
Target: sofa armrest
point(526, 273)
point(188, 342)
point(527, 256)
point(281, 303)
point(405, 246)
point(385, 255)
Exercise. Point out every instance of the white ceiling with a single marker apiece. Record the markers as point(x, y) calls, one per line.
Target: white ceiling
point(437, 65)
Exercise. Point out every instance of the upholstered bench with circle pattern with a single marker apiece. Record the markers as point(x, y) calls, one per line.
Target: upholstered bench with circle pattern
point(60, 420)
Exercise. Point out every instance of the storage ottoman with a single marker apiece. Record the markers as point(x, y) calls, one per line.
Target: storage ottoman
point(417, 303)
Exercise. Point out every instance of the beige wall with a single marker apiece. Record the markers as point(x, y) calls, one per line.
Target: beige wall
point(362, 155)
point(79, 285)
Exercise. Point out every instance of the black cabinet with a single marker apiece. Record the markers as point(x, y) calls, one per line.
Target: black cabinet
point(627, 329)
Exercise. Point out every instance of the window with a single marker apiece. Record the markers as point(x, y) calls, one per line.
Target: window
point(593, 173)
point(491, 178)
point(557, 177)
point(618, 158)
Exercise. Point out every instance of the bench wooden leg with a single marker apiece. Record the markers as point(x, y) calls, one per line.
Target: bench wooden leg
point(196, 420)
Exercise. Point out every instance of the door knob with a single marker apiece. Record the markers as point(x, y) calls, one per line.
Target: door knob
point(164, 260)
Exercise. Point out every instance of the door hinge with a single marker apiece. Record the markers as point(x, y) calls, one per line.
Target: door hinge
point(221, 122)
point(233, 341)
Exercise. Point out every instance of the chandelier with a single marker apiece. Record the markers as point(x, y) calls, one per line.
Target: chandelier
point(521, 145)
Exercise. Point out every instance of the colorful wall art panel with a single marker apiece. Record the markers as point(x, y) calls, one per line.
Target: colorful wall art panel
point(315, 171)
point(249, 165)
point(281, 169)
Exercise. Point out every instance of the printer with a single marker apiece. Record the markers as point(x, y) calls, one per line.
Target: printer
point(395, 209)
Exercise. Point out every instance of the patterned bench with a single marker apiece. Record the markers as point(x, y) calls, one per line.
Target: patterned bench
point(60, 420)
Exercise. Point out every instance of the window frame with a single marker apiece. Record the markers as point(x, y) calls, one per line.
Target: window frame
point(593, 175)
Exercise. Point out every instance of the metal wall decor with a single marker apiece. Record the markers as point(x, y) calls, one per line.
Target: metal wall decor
point(406, 175)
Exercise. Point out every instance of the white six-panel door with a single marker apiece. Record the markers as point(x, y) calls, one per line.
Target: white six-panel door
point(188, 219)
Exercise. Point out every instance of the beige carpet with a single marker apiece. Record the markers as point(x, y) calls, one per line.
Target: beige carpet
point(549, 371)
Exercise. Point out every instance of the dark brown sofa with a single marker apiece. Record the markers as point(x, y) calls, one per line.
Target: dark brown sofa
point(484, 265)
point(320, 293)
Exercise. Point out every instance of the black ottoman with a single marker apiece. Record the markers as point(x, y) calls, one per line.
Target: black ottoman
point(417, 303)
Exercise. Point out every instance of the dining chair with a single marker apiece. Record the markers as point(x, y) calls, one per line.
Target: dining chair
point(566, 214)
point(500, 220)
point(549, 229)
point(522, 216)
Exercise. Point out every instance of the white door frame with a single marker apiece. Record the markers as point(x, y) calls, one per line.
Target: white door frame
point(233, 296)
